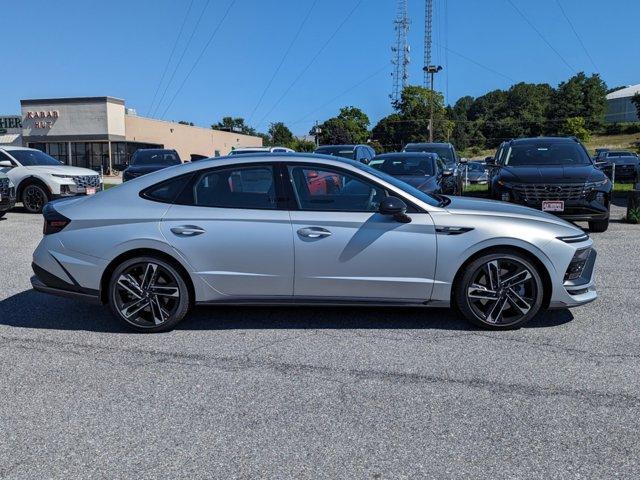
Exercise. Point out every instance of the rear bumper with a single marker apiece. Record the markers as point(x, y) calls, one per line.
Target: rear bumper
point(46, 282)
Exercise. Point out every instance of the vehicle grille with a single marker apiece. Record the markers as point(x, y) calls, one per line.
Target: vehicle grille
point(625, 170)
point(4, 187)
point(557, 191)
point(84, 181)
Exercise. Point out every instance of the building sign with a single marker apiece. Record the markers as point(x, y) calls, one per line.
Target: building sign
point(10, 121)
point(43, 118)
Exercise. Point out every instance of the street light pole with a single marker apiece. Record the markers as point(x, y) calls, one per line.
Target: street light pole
point(431, 70)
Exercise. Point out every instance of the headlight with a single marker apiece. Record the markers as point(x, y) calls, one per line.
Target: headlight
point(11, 185)
point(601, 183)
point(62, 176)
point(577, 264)
point(502, 183)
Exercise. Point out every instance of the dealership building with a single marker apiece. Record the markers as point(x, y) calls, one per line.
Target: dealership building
point(620, 108)
point(100, 132)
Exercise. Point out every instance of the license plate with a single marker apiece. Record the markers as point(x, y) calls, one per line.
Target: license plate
point(91, 191)
point(553, 206)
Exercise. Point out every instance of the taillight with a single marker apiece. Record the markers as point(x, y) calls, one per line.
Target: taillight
point(54, 221)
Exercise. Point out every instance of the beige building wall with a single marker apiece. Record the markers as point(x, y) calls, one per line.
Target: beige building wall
point(185, 139)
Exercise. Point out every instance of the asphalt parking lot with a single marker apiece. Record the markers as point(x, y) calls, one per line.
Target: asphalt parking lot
point(319, 393)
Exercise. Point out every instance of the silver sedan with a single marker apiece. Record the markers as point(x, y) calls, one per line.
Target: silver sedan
point(306, 229)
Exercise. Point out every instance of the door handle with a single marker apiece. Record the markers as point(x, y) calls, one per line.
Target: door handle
point(314, 232)
point(187, 230)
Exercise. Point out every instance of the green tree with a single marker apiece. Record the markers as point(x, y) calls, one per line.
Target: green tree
point(303, 145)
point(350, 126)
point(581, 96)
point(183, 122)
point(234, 124)
point(281, 135)
point(575, 126)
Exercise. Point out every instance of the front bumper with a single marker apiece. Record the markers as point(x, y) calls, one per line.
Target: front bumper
point(7, 203)
point(579, 291)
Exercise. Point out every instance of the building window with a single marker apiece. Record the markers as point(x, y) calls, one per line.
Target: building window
point(118, 154)
point(93, 155)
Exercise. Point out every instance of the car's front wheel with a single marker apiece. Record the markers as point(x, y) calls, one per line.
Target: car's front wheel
point(501, 290)
point(34, 197)
point(148, 294)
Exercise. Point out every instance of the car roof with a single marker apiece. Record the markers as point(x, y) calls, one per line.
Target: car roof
point(407, 154)
point(337, 146)
point(13, 147)
point(534, 140)
point(429, 144)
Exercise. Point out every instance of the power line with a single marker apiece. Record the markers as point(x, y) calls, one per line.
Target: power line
point(304, 70)
point(166, 67)
point(564, 14)
point(524, 17)
point(286, 53)
point(475, 62)
point(184, 51)
point(202, 52)
point(328, 102)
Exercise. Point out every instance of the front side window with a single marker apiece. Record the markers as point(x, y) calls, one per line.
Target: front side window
point(238, 187)
point(324, 189)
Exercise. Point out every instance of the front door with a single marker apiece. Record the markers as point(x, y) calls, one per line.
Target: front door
point(233, 234)
point(344, 249)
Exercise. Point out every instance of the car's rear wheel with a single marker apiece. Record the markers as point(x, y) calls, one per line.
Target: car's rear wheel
point(599, 226)
point(500, 291)
point(34, 197)
point(148, 294)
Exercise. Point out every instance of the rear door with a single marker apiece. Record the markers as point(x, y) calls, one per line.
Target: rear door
point(232, 230)
point(344, 249)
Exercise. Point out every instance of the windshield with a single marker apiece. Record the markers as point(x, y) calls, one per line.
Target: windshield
point(552, 153)
point(405, 187)
point(621, 160)
point(156, 157)
point(444, 152)
point(32, 158)
point(414, 166)
point(247, 151)
point(339, 151)
point(475, 167)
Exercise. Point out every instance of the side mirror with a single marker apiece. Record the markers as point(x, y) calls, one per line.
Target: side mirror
point(6, 164)
point(447, 173)
point(395, 207)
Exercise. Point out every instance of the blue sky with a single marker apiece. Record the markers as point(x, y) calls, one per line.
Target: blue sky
point(120, 48)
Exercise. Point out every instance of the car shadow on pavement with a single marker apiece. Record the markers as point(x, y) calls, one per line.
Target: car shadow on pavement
point(31, 309)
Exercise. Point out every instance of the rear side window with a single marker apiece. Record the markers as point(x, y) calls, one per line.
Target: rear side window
point(248, 187)
point(167, 191)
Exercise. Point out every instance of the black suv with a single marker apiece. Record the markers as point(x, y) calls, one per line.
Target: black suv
point(627, 165)
point(147, 160)
point(452, 184)
point(553, 174)
point(359, 153)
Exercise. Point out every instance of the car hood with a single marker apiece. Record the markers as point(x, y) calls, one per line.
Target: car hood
point(62, 170)
point(478, 206)
point(474, 175)
point(142, 169)
point(423, 183)
point(552, 174)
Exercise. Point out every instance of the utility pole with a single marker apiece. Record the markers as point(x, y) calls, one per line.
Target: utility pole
point(431, 70)
point(428, 29)
point(400, 50)
point(317, 130)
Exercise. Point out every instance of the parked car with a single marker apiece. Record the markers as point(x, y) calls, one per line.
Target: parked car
point(247, 150)
point(359, 153)
point(7, 194)
point(39, 178)
point(555, 175)
point(147, 160)
point(627, 165)
point(240, 230)
point(424, 171)
point(476, 172)
point(446, 151)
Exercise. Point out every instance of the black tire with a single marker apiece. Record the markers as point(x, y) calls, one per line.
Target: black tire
point(530, 291)
point(2, 213)
point(599, 226)
point(125, 297)
point(34, 197)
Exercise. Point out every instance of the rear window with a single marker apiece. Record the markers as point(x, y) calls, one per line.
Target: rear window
point(156, 157)
point(167, 191)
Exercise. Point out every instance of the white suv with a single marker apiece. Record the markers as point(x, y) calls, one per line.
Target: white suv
point(39, 178)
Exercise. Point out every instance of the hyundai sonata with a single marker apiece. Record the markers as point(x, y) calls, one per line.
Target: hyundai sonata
point(306, 230)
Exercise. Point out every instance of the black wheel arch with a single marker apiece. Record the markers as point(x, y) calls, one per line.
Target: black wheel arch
point(143, 252)
point(25, 182)
point(542, 269)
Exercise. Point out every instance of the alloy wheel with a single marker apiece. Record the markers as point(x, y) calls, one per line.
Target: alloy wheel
point(146, 294)
point(34, 198)
point(502, 291)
